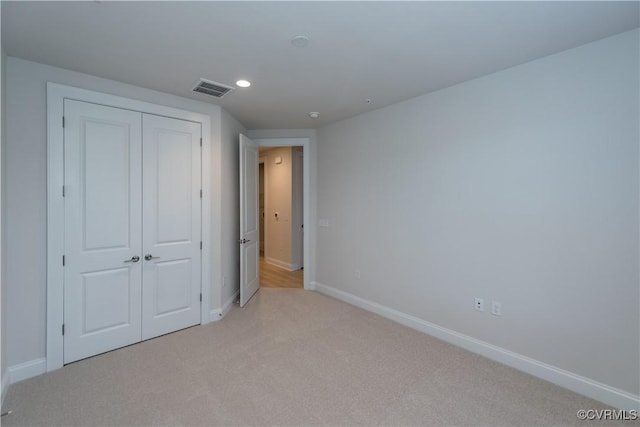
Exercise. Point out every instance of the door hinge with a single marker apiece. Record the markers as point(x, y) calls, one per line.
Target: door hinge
point(200, 244)
point(200, 296)
point(63, 122)
point(63, 329)
point(200, 142)
point(63, 260)
point(201, 193)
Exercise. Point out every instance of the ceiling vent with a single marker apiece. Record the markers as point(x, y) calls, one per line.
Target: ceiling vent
point(212, 88)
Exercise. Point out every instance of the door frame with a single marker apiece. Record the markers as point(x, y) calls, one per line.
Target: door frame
point(305, 143)
point(263, 161)
point(298, 231)
point(56, 94)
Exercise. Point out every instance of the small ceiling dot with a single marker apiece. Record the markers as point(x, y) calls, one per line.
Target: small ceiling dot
point(300, 41)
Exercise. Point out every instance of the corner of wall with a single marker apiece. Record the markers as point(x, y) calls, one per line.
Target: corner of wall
point(3, 289)
point(219, 313)
point(5, 387)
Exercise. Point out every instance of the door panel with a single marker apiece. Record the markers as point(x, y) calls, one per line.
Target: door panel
point(109, 288)
point(249, 224)
point(106, 201)
point(173, 291)
point(172, 224)
point(103, 182)
point(174, 159)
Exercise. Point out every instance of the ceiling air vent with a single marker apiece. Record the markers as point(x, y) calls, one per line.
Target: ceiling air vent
point(212, 88)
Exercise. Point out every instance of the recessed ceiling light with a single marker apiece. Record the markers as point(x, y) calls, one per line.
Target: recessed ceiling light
point(300, 41)
point(243, 83)
point(314, 114)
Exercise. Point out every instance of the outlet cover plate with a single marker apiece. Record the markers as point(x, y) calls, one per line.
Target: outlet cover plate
point(496, 308)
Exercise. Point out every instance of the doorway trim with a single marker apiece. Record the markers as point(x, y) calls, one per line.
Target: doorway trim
point(263, 161)
point(56, 94)
point(305, 143)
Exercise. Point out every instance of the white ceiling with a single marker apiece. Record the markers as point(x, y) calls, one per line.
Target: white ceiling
point(385, 51)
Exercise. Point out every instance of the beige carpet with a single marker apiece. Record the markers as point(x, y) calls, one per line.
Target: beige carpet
point(292, 357)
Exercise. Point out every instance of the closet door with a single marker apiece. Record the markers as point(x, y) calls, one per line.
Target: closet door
point(103, 229)
point(171, 225)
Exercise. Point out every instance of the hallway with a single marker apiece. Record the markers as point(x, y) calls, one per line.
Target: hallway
point(272, 276)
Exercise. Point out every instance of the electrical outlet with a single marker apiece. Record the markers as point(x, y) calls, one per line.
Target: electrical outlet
point(357, 273)
point(479, 304)
point(496, 308)
point(323, 223)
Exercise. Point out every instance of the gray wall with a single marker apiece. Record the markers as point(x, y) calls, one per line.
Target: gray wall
point(25, 209)
point(230, 138)
point(521, 186)
point(3, 289)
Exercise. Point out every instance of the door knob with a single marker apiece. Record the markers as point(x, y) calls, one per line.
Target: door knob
point(149, 257)
point(134, 258)
point(241, 241)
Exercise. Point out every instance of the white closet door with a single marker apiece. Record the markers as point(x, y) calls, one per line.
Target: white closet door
point(171, 225)
point(103, 181)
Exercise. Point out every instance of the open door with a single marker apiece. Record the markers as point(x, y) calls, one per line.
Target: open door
point(249, 223)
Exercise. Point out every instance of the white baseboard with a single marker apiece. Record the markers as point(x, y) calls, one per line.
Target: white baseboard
point(577, 383)
point(279, 263)
point(219, 313)
point(5, 386)
point(27, 370)
point(227, 305)
point(215, 315)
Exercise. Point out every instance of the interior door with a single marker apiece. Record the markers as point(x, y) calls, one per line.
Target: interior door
point(171, 224)
point(103, 183)
point(249, 224)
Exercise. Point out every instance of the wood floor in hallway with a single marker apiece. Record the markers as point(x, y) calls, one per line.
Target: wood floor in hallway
point(272, 276)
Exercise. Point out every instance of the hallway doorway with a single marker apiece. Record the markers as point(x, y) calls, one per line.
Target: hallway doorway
point(281, 216)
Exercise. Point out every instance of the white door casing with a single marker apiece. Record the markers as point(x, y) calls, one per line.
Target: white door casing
point(249, 221)
point(103, 182)
point(171, 224)
point(56, 271)
point(297, 210)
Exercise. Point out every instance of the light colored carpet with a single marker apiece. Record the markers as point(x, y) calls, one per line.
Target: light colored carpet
point(292, 357)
